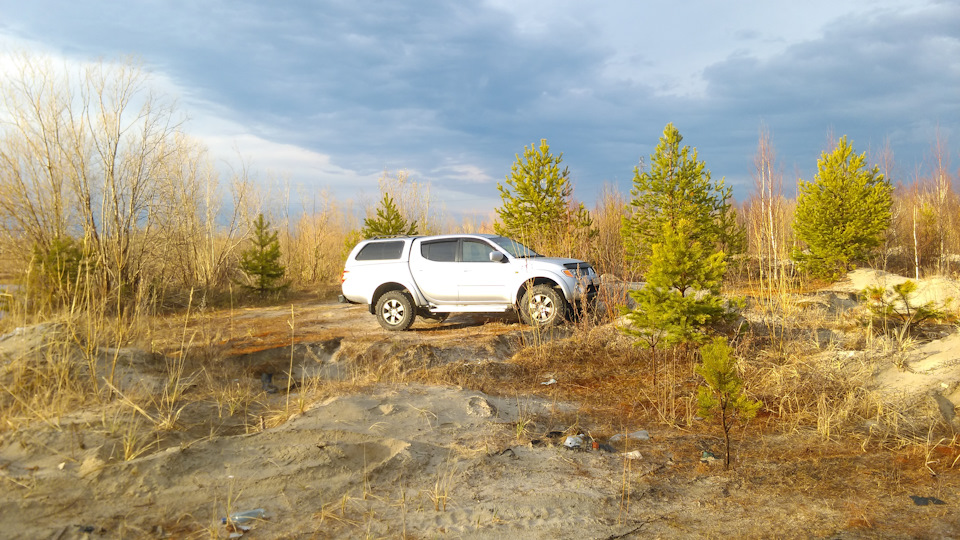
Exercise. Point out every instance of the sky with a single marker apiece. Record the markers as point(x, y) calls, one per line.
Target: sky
point(328, 95)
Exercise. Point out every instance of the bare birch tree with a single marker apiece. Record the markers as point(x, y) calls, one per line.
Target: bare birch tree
point(93, 154)
point(768, 216)
point(34, 163)
point(945, 205)
point(202, 233)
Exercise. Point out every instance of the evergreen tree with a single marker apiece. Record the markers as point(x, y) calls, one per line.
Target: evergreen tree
point(842, 215)
point(538, 209)
point(678, 221)
point(388, 221)
point(61, 266)
point(723, 394)
point(682, 292)
point(677, 187)
point(261, 261)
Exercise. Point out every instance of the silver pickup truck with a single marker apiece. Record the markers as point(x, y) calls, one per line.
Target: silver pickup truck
point(433, 276)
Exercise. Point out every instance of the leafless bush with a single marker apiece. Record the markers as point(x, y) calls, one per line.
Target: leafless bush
point(316, 247)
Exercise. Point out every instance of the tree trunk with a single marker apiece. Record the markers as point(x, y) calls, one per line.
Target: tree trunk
point(726, 433)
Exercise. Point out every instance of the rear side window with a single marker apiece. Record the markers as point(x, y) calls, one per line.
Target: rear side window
point(380, 251)
point(441, 251)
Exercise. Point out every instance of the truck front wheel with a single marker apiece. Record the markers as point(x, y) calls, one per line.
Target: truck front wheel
point(395, 311)
point(542, 306)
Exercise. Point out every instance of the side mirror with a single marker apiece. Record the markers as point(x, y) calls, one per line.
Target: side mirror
point(496, 256)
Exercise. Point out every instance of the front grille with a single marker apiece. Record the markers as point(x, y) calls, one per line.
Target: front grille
point(580, 267)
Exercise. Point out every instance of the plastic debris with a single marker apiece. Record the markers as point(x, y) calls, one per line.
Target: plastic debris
point(508, 452)
point(708, 457)
point(924, 501)
point(607, 448)
point(266, 380)
point(642, 435)
point(574, 441)
point(548, 383)
point(243, 518)
point(633, 455)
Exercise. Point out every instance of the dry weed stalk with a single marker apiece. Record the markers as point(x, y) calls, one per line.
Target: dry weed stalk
point(232, 397)
point(524, 420)
point(293, 340)
point(439, 494)
point(135, 442)
point(336, 511)
point(626, 488)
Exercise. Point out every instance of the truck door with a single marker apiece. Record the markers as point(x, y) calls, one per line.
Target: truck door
point(483, 281)
point(435, 269)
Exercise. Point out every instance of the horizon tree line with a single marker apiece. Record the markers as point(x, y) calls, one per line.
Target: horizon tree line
point(99, 177)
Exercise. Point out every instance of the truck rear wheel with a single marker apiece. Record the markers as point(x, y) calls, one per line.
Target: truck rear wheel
point(395, 311)
point(542, 306)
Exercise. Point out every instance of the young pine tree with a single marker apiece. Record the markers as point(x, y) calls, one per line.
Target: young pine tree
point(261, 262)
point(842, 215)
point(682, 292)
point(674, 232)
point(388, 221)
point(538, 208)
point(677, 187)
point(60, 267)
point(723, 395)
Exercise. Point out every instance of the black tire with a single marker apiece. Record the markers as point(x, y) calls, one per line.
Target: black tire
point(542, 306)
point(395, 311)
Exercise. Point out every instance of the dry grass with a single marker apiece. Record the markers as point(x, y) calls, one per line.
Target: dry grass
point(85, 358)
point(593, 364)
point(821, 431)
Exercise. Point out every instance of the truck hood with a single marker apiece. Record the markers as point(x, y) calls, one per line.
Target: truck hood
point(554, 264)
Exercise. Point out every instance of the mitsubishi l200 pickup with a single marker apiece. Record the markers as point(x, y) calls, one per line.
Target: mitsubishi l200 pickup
point(399, 278)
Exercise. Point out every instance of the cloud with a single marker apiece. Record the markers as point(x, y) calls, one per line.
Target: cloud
point(880, 79)
point(339, 91)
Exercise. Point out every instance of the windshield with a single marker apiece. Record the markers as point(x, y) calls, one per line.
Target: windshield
point(514, 248)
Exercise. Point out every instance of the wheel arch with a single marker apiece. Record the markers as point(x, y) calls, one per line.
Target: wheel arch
point(383, 289)
point(533, 282)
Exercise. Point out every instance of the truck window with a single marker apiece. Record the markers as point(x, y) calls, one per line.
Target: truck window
point(515, 248)
point(475, 251)
point(380, 251)
point(440, 251)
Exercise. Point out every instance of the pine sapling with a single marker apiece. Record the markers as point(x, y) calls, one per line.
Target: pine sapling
point(538, 206)
point(896, 306)
point(723, 396)
point(389, 221)
point(262, 260)
point(842, 214)
point(682, 294)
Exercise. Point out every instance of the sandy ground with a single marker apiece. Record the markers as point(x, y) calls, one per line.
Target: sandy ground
point(420, 461)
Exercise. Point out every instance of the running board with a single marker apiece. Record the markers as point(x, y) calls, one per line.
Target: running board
point(470, 308)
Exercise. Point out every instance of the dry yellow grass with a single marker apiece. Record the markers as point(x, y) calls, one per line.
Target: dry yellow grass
point(205, 364)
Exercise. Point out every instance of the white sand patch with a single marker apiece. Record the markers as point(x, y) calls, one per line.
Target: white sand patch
point(942, 292)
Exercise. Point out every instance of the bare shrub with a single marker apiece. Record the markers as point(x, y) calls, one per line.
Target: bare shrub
point(314, 249)
point(606, 248)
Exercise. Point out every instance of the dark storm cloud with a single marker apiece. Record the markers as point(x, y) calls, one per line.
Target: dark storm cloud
point(376, 83)
point(454, 90)
point(885, 79)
